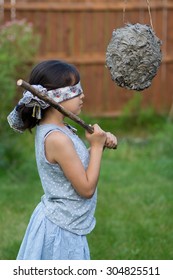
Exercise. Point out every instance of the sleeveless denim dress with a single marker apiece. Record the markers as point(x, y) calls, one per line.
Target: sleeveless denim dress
point(58, 226)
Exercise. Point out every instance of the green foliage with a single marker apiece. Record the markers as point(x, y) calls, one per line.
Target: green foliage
point(136, 116)
point(18, 49)
point(133, 107)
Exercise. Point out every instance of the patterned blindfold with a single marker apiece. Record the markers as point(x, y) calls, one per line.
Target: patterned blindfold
point(29, 100)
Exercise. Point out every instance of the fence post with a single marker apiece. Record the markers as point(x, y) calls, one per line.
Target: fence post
point(1, 11)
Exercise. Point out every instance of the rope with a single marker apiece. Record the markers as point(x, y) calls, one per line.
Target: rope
point(149, 11)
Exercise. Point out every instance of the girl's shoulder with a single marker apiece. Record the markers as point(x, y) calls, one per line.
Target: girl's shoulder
point(49, 128)
point(57, 138)
point(56, 135)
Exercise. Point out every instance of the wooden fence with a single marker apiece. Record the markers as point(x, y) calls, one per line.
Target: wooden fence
point(79, 32)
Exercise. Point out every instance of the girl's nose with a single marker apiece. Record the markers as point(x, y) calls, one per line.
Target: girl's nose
point(82, 95)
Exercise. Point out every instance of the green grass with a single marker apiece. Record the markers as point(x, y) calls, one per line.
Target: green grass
point(134, 211)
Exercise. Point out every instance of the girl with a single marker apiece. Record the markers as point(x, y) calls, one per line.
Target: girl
point(68, 171)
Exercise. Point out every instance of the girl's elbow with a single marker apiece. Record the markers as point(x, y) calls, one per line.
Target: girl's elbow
point(88, 193)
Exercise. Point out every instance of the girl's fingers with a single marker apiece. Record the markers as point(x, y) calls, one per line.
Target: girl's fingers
point(111, 141)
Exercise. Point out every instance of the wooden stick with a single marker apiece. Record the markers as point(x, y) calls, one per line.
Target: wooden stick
point(54, 104)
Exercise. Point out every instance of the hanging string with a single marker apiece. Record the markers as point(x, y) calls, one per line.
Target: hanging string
point(149, 11)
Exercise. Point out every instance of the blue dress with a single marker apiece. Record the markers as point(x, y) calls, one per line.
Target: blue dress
point(58, 226)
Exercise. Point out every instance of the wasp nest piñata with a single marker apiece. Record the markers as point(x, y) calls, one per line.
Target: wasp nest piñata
point(133, 56)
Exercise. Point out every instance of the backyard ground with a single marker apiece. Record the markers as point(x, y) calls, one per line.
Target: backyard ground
point(135, 195)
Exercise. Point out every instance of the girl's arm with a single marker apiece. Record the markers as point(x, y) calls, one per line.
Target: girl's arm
point(60, 149)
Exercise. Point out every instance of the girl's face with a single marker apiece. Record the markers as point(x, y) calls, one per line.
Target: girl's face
point(74, 105)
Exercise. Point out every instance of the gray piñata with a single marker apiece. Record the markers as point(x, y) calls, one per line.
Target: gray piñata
point(133, 56)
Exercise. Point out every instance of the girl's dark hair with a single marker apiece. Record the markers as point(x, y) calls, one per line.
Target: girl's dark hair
point(51, 74)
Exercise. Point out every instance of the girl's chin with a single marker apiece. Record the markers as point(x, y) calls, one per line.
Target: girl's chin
point(78, 112)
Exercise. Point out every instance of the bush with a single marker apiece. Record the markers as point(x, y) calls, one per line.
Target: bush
point(136, 116)
point(18, 48)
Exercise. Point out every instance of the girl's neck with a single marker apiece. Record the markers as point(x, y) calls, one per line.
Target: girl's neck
point(53, 117)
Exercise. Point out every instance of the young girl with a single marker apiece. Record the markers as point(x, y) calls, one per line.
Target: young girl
point(68, 170)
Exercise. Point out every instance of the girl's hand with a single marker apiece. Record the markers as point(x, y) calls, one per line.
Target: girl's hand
point(97, 138)
point(111, 141)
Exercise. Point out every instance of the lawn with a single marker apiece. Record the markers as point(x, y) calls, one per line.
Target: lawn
point(135, 198)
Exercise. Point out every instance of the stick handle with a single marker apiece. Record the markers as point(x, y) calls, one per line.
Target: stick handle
point(54, 104)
